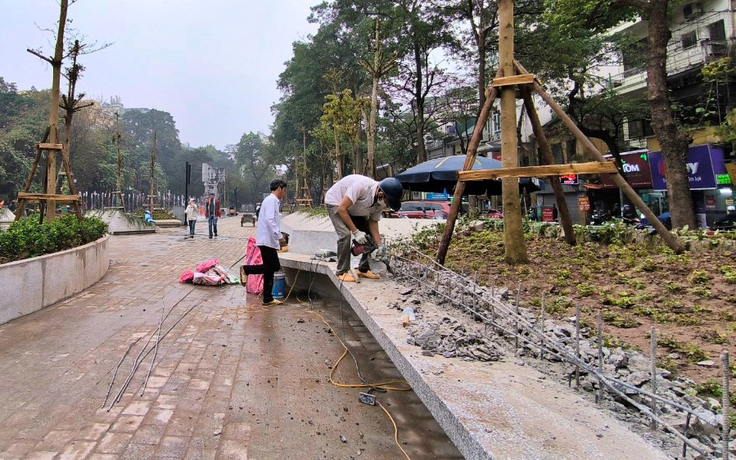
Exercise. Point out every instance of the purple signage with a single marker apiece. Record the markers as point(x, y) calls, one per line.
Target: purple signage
point(699, 168)
point(635, 169)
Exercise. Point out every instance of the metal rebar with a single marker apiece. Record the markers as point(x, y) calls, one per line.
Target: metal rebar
point(112, 381)
point(553, 347)
point(541, 320)
point(726, 413)
point(599, 396)
point(155, 352)
point(577, 345)
point(653, 370)
point(516, 327)
point(684, 433)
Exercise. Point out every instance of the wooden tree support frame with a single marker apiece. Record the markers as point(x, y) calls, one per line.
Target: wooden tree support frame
point(528, 82)
point(49, 198)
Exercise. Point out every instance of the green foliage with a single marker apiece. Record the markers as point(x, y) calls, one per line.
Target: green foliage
point(559, 304)
point(673, 286)
point(700, 291)
point(585, 289)
point(698, 277)
point(29, 238)
point(729, 274)
point(618, 320)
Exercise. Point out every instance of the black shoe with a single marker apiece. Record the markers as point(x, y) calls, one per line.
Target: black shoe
point(215, 235)
point(210, 236)
point(191, 236)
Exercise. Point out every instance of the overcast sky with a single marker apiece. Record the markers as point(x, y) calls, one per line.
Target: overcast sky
point(212, 64)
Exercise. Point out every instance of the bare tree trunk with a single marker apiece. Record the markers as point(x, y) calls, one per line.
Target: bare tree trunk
point(419, 100)
point(674, 143)
point(371, 134)
point(50, 186)
point(338, 156)
point(515, 247)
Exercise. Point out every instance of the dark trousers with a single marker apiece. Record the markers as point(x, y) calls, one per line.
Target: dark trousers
point(269, 266)
point(212, 223)
point(192, 224)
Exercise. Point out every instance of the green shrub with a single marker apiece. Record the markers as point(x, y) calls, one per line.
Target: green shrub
point(29, 238)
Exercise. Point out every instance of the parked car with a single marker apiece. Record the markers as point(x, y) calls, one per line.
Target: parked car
point(424, 210)
point(232, 211)
point(493, 214)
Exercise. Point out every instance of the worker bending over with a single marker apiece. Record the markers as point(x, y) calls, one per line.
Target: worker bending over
point(355, 204)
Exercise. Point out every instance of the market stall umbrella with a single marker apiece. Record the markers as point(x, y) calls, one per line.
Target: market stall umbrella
point(440, 175)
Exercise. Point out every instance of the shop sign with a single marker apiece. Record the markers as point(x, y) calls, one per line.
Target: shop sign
point(636, 170)
point(569, 179)
point(699, 168)
point(710, 201)
point(548, 214)
point(437, 196)
point(583, 203)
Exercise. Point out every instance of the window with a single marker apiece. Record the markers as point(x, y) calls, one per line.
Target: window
point(557, 153)
point(717, 31)
point(639, 129)
point(572, 149)
point(689, 40)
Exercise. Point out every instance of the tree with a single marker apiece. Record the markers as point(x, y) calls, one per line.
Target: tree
point(23, 120)
point(381, 65)
point(253, 163)
point(138, 127)
point(599, 16)
point(481, 21)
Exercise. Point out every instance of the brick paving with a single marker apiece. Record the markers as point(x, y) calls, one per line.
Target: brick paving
point(231, 379)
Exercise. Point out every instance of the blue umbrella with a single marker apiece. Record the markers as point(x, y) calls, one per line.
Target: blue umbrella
point(441, 174)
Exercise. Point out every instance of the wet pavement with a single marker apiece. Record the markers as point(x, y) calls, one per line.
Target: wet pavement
point(230, 379)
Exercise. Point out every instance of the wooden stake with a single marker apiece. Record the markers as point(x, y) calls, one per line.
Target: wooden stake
point(565, 219)
point(597, 155)
point(460, 187)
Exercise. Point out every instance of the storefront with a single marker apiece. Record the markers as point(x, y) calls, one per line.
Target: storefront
point(711, 184)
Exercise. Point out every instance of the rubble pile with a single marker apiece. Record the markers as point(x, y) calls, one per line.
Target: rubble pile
point(452, 320)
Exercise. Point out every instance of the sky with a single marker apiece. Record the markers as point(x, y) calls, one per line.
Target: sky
point(212, 64)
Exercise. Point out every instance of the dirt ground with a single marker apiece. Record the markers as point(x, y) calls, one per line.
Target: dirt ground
point(689, 298)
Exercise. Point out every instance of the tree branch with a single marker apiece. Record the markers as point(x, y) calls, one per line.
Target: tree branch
point(37, 54)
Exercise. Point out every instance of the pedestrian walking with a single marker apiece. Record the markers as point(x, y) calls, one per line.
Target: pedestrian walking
point(355, 204)
point(269, 240)
point(192, 212)
point(212, 212)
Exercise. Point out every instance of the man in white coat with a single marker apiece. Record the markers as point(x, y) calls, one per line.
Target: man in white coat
point(269, 240)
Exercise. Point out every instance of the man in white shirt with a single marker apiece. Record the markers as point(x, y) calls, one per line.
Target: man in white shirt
point(355, 204)
point(269, 240)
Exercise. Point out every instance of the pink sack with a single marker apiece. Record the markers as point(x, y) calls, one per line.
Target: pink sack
point(253, 257)
point(208, 279)
point(204, 266)
point(186, 276)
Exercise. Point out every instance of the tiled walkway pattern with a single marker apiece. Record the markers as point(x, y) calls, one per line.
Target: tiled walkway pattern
point(231, 380)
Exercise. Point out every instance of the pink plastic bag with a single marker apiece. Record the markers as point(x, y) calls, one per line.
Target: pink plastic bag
point(186, 276)
point(208, 279)
point(206, 265)
point(253, 257)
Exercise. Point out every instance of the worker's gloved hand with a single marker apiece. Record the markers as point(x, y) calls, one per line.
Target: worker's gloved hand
point(359, 237)
point(380, 253)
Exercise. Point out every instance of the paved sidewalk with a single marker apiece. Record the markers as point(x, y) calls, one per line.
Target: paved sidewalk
point(231, 380)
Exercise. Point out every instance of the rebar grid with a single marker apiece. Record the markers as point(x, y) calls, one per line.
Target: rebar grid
point(485, 305)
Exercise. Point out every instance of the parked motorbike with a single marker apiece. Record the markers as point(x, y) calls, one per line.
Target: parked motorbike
point(600, 217)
